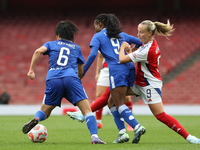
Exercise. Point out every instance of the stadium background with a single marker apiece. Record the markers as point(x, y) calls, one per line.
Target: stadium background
point(26, 25)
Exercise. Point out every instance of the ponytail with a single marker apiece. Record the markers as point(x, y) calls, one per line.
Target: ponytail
point(159, 28)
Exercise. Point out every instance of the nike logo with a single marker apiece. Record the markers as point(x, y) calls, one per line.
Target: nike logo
point(87, 120)
point(178, 130)
point(131, 117)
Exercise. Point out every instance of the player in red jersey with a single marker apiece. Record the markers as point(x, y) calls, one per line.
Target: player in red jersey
point(148, 82)
point(102, 79)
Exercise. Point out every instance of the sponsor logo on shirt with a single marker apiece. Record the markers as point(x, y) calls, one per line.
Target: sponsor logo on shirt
point(157, 50)
point(134, 55)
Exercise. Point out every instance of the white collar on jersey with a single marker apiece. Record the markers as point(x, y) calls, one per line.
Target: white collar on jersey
point(149, 42)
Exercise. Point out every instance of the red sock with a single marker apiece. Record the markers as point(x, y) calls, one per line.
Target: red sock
point(99, 114)
point(129, 105)
point(101, 101)
point(172, 123)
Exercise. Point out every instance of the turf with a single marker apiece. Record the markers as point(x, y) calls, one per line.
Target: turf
point(67, 134)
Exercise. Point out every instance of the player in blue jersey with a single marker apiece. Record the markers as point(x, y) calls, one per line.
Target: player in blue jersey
point(62, 81)
point(107, 40)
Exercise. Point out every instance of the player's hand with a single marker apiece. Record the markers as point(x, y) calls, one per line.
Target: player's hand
point(31, 75)
point(126, 47)
point(128, 50)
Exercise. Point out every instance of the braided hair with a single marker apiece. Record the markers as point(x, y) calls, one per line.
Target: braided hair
point(111, 23)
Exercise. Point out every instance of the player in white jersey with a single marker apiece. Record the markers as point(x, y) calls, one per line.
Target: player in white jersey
point(102, 79)
point(148, 82)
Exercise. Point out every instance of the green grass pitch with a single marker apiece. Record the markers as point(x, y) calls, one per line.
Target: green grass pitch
point(67, 134)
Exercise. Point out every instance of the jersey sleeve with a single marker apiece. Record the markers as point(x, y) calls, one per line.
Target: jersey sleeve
point(132, 40)
point(95, 41)
point(47, 45)
point(91, 58)
point(139, 55)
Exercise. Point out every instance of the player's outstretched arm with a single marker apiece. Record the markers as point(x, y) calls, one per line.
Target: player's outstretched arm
point(34, 59)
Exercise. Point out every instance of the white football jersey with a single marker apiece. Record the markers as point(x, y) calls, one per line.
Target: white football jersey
point(147, 59)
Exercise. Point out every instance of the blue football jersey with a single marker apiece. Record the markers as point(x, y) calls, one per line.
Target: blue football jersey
point(63, 58)
point(109, 47)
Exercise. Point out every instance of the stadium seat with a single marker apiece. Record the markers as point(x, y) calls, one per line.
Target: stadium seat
point(26, 32)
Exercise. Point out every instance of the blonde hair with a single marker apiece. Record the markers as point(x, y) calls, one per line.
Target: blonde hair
point(159, 28)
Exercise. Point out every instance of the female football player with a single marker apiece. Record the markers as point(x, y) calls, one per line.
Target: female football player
point(107, 40)
point(65, 58)
point(148, 83)
point(102, 79)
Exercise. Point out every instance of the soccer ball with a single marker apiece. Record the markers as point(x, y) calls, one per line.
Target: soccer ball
point(38, 134)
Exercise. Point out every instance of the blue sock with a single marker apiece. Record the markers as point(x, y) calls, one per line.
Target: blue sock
point(126, 113)
point(91, 123)
point(118, 119)
point(41, 115)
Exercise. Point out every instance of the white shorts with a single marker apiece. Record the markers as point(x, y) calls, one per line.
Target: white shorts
point(103, 79)
point(149, 94)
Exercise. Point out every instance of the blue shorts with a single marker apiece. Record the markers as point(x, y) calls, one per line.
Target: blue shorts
point(121, 77)
point(67, 87)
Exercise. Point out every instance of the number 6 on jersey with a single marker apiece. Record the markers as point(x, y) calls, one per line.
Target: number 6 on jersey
point(62, 56)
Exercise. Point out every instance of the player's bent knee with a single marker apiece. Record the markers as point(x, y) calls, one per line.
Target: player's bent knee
point(84, 106)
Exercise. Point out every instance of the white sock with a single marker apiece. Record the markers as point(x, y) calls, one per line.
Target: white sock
point(99, 121)
point(188, 137)
point(136, 127)
point(95, 135)
point(122, 131)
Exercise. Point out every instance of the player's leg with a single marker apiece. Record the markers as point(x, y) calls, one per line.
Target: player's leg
point(118, 95)
point(84, 106)
point(152, 96)
point(48, 103)
point(99, 91)
point(99, 118)
point(129, 104)
point(102, 84)
point(123, 136)
point(171, 122)
point(75, 93)
point(101, 101)
point(97, 104)
point(40, 115)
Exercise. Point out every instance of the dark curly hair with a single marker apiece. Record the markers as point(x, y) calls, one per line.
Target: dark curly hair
point(66, 29)
point(111, 23)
